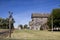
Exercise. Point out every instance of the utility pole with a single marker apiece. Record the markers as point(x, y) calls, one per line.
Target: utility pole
point(52, 22)
point(10, 20)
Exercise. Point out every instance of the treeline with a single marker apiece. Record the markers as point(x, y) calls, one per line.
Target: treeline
point(4, 23)
point(23, 26)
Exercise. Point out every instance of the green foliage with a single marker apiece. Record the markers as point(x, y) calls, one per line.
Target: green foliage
point(25, 26)
point(4, 23)
point(56, 18)
point(21, 26)
point(49, 22)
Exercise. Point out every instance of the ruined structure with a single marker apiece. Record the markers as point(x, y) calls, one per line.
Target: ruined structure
point(39, 21)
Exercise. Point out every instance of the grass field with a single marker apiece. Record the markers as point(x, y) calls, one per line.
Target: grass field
point(35, 35)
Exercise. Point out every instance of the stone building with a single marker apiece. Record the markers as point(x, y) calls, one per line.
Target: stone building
point(39, 21)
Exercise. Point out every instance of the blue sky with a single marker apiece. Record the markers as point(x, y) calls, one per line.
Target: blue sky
point(22, 9)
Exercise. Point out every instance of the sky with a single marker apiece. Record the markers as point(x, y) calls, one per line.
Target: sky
point(22, 9)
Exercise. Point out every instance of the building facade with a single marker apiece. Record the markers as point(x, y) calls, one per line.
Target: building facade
point(39, 21)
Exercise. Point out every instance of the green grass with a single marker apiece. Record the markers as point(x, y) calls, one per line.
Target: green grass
point(35, 35)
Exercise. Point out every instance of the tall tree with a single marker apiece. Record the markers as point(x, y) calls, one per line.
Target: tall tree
point(56, 18)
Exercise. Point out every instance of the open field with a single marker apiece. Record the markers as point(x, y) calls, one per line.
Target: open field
point(35, 35)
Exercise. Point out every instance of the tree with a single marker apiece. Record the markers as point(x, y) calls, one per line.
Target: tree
point(12, 23)
point(25, 26)
point(56, 18)
point(21, 26)
point(49, 22)
point(1, 23)
point(7, 23)
point(4, 23)
point(11, 20)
